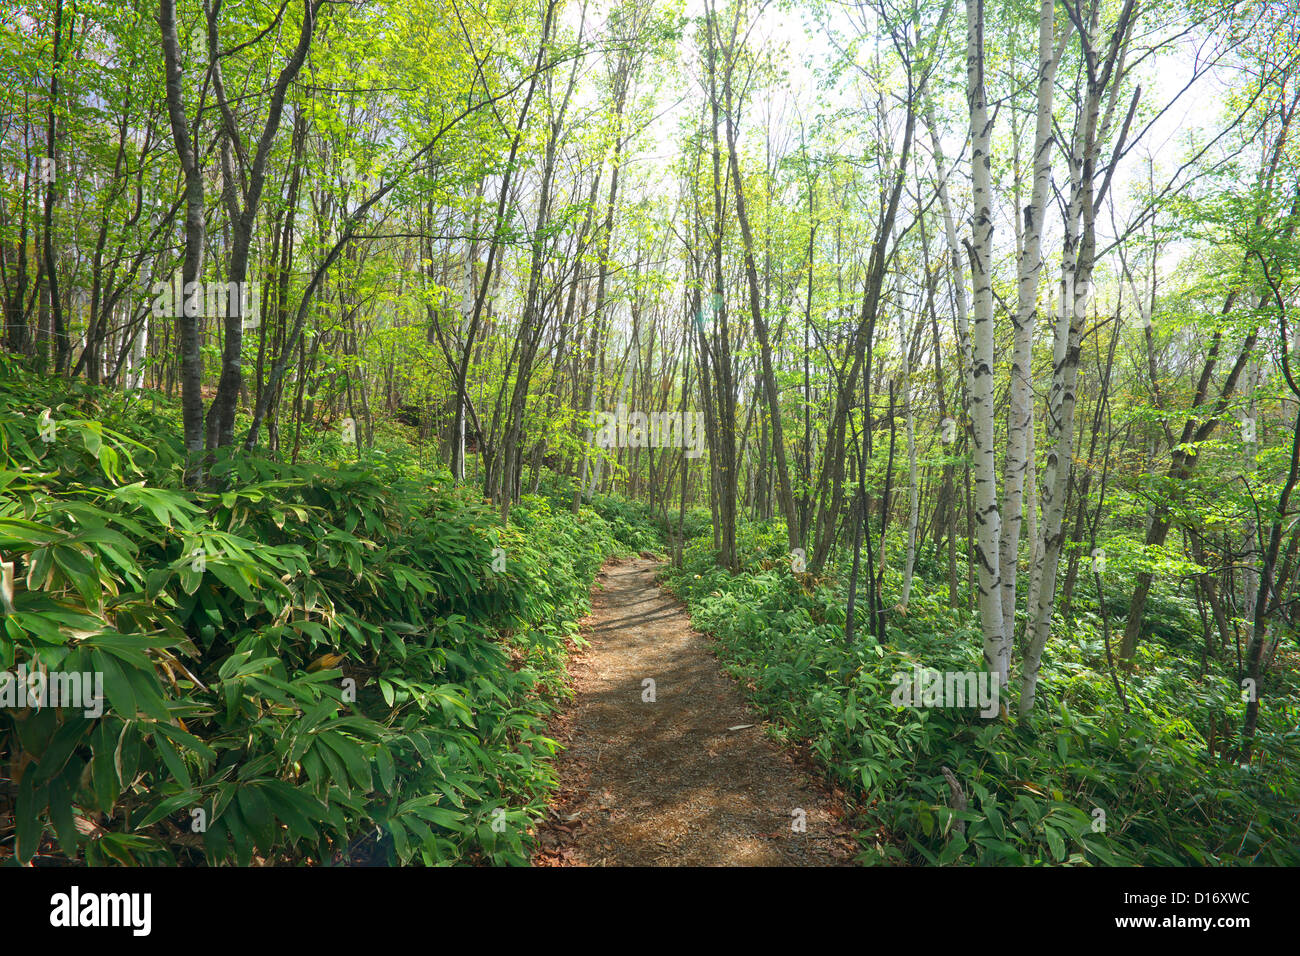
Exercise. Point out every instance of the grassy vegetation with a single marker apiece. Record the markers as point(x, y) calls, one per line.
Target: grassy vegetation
point(309, 655)
point(294, 661)
point(1082, 783)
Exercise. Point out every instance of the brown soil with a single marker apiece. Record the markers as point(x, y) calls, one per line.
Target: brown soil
point(681, 780)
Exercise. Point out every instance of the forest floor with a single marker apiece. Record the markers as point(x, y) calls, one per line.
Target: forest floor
point(688, 779)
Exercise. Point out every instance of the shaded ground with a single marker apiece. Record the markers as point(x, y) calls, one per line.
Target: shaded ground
point(688, 779)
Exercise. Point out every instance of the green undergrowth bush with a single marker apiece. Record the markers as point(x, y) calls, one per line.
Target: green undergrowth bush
point(1082, 784)
point(294, 660)
point(632, 523)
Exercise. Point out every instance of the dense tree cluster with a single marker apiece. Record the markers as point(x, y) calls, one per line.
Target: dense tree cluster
point(999, 295)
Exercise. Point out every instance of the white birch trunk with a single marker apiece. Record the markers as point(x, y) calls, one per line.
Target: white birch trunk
point(1020, 405)
point(1076, 280)
point(987, 518)
point(1031, 489)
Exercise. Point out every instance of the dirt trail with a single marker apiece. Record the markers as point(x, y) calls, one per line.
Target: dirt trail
point(668, 782)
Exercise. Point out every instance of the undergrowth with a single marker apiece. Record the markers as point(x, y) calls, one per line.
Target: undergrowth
point(1083, 783)
point(318, 663)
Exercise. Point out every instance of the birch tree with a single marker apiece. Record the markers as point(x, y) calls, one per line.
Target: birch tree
point(997, 651)
point(1020, 418)
point(1104, 71)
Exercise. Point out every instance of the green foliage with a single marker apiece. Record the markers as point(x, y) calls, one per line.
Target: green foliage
point(1033, 793)
point(305, 656)
point(633, 523)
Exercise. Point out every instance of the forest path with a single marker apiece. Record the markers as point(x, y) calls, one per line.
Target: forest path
point(688, 779)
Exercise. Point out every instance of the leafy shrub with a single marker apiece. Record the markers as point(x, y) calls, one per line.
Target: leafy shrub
point(292, 661)
point(1033, 793)
point(632, 523)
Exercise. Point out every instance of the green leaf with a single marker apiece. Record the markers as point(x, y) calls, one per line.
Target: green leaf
point(173, 760)
point(1055, 842)
point(65, 740)
point(65, 826)
point(31, 801)
point(118, 690)
point(387, 770)
point(256, 811)
point(186, 799)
